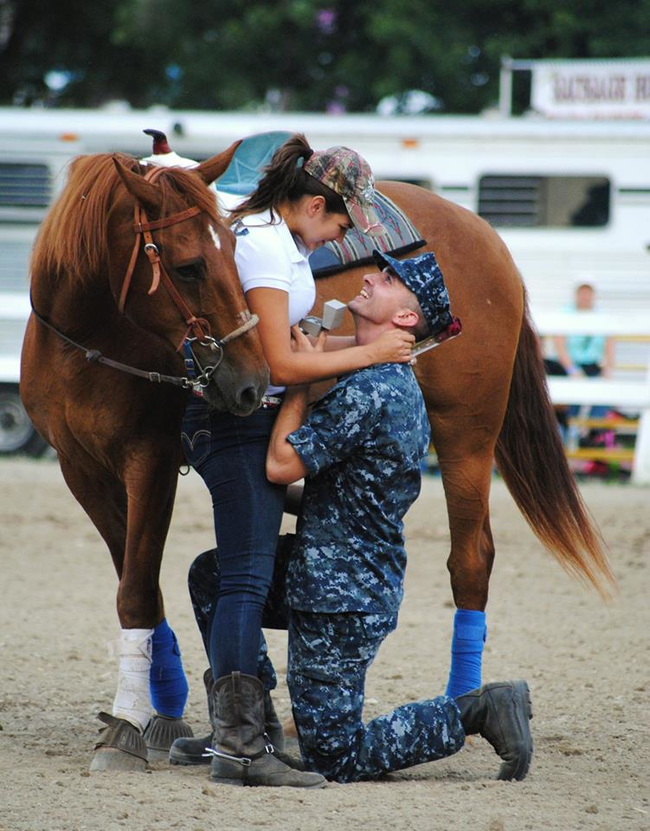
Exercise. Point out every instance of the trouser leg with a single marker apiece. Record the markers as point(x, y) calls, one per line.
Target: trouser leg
point(229, 453)
point(423, 731)
point(203, 582)
point(329, 656)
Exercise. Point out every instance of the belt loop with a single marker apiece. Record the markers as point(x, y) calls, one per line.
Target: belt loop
point(271, 402)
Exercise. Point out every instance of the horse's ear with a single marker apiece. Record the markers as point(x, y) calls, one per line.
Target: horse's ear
point(211, 169)
point(144, 192)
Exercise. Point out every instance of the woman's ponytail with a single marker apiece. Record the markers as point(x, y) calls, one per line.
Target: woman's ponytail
point(284, 180)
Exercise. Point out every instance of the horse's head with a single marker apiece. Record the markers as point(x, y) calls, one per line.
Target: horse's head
point(182, 282)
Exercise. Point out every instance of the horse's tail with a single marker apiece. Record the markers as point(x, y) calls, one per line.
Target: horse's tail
point(531, 459)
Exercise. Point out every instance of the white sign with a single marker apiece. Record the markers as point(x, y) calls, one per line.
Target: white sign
point(591, 89)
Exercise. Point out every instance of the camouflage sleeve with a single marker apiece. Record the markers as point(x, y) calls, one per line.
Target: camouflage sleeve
point(339, 424)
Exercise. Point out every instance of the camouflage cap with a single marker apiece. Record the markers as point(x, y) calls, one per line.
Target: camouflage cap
point(348, 174)
point(422, 275)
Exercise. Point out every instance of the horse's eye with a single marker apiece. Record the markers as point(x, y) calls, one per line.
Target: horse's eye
point(192, 272)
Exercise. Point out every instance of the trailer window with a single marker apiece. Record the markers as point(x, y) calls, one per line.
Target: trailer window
point(544, 201)
point(25, 185)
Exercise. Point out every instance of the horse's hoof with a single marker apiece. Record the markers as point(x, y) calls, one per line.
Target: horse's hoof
point(161, 733)
point(112, 759)
point(120, 747)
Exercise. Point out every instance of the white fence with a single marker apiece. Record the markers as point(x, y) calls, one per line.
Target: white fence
point(624, 394)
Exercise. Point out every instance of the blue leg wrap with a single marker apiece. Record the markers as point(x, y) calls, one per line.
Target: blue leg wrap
point(466, 652)
point(167, 682)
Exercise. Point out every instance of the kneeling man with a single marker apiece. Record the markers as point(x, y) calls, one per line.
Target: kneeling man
point(360, 451)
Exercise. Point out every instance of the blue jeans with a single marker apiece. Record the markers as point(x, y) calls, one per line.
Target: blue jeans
point(229, 453)
point(204, 580)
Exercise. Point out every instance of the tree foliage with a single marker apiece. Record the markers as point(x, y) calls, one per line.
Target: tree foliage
point(294, 54)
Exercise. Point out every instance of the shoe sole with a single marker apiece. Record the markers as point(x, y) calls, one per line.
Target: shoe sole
point(188, 761)
point(241, 783)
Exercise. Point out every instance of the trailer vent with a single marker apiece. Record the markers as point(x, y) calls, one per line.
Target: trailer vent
point(25, 185)
point(544, 201)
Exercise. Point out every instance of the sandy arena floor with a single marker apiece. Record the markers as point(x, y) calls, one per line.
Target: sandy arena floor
point(586, 662)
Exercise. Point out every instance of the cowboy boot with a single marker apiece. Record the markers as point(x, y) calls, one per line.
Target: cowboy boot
point(500, 713)
point(194, 751)
point(242, 753)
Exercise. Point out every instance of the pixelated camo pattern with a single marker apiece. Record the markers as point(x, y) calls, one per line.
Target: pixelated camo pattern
point(422, 275)
point(363, 445)
point(329, 655)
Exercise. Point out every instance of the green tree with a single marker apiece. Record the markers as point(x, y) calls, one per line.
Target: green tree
point(295, 54)
point(78, 41)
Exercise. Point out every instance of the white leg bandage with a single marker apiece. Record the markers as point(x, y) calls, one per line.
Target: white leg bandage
point(132, 700)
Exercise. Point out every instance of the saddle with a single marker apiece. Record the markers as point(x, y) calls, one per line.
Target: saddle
point(247, 167)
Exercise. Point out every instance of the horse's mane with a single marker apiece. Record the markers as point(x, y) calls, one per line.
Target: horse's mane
point(73, 241)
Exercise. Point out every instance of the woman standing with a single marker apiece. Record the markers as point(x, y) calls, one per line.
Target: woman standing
point(305, 199)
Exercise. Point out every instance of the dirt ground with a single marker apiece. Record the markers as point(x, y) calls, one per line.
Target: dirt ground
point(586, 662)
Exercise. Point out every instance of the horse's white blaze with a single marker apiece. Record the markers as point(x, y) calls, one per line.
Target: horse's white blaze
point(132, 699)
point(215, 238)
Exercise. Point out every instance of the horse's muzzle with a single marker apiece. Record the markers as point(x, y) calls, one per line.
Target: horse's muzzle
point(239, 394)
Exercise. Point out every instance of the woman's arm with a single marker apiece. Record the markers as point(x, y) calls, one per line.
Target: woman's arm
point(289, 367)
point(335, 342)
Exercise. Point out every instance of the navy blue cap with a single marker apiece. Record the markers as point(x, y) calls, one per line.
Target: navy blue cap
point(422, 275)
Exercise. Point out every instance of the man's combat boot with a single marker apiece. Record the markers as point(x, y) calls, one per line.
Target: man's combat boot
point(500, 713)
point(241, 750)
point(194, 751)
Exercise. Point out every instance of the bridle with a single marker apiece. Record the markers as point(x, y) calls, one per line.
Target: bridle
point(197, 325)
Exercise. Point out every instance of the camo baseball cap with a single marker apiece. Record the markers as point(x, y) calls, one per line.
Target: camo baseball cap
point(422, 275)
point(348, 174)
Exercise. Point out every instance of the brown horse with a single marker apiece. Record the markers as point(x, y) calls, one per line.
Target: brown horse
point(100, 297)
point(487, 397)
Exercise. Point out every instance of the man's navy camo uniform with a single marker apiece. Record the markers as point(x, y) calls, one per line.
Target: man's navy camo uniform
point(362, 445)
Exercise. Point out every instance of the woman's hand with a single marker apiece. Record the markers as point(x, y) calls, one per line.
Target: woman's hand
point(300, 342)
point(392, 347)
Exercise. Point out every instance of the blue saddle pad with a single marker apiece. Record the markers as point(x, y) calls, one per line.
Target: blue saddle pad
point(250, 159)
point(246, 169)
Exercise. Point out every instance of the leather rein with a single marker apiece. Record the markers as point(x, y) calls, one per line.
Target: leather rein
point(198, 326)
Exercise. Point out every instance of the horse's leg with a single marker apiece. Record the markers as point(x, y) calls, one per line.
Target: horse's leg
point(150, 479)
point(103, 498)
point(134, 522)
point(466, 462)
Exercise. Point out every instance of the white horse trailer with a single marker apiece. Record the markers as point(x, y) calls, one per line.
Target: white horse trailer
point(570, 198)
